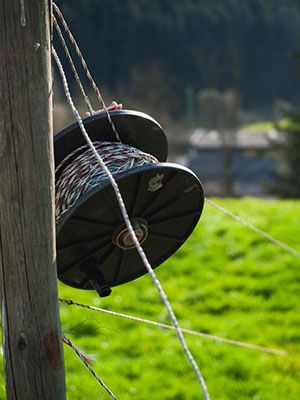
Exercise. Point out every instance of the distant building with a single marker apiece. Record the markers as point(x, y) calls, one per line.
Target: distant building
point(235, 164)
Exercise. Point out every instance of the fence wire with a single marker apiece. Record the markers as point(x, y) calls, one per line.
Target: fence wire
point(253, 228)
point(215, 338)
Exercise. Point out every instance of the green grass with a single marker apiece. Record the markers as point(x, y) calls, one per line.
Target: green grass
point(259, 126)
point(264, 126)
point(226, 281)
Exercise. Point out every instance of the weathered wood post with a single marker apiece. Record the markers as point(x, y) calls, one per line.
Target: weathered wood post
point(30, 316)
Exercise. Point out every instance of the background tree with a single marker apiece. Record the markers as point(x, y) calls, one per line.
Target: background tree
point(289, 183)
point(245, 45)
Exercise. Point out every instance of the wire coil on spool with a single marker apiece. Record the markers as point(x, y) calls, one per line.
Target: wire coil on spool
point(164, 202)
point(81, 171)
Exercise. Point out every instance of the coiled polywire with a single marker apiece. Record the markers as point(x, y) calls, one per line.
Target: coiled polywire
point(80, 172)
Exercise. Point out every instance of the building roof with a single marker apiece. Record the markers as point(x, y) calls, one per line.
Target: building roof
point(210, 140)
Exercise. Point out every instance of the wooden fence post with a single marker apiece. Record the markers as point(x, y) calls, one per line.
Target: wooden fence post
point(33, 352)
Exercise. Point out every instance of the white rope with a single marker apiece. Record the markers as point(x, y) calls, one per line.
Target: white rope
point(132, 234)
point(74, 70)
point(253, 228)
point(86, 69)
point(188, 331)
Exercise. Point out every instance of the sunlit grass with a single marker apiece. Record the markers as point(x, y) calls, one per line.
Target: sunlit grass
point(264, 126)
point(259, 126)
point(226, 281)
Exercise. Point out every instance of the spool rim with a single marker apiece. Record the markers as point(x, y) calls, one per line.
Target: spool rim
point(135, 128)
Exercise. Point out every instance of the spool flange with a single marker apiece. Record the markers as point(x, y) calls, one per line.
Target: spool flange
point(134, 128)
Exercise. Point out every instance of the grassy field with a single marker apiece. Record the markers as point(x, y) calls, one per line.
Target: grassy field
point(226, 281)
point(267, 125)
point(260, 126)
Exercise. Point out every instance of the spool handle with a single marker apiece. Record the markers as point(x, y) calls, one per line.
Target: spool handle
point(91, 269)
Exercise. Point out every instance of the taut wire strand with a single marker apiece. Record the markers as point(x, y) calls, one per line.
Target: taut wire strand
point(131, 231)
point(188, 331)
point(253, 228)
point(84, 360)
point(86, 69)
point(70, 60)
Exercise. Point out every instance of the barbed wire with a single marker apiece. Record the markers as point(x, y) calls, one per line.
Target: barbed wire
point(253, 228)
point(170, 327)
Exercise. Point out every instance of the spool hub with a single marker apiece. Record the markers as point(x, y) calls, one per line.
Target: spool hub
point(122, 237)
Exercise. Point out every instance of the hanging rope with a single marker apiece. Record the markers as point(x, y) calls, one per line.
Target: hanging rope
point(86, 362)
point(253, 228)
point(170, 327)
point(83, 173)
point(131, 231)
point(86, 69)
point(70, 60)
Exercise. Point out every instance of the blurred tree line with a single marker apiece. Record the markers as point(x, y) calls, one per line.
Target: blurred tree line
point(158, 48)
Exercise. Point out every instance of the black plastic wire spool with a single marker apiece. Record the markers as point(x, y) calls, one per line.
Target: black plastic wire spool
point(164, 202)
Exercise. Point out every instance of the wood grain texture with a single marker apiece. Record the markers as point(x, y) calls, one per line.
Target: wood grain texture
point(31, 330)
